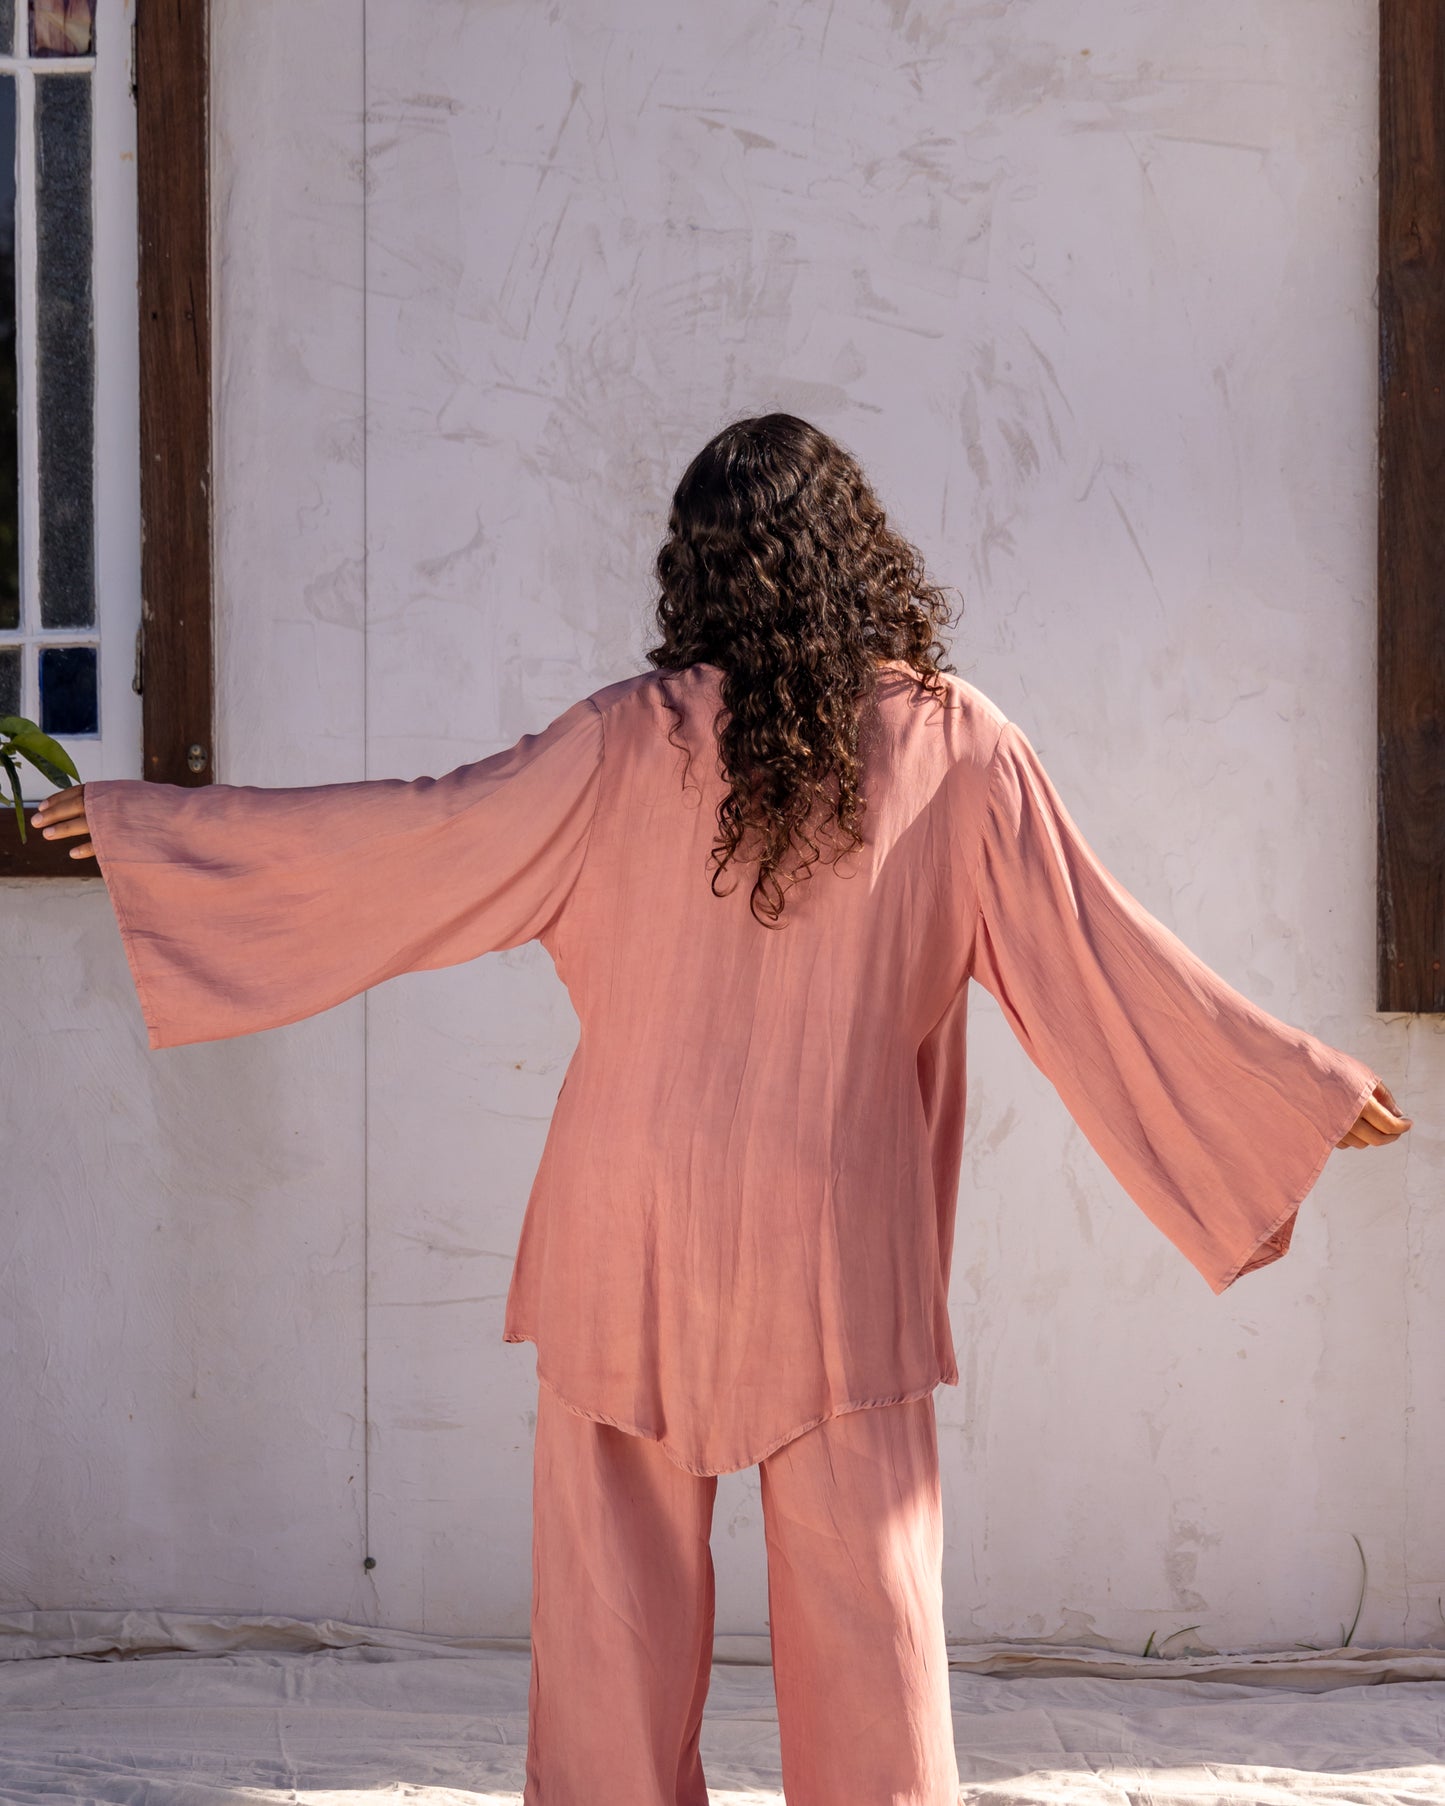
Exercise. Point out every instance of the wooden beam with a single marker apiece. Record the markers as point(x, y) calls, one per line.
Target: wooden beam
point(1411, 512)
point(172, 89)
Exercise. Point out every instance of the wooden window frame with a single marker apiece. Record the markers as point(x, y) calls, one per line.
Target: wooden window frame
point(174, 654)
point(1410, 753)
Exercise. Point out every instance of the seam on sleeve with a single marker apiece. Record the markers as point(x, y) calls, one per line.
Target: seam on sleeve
point(601, 714)
point(985, 815)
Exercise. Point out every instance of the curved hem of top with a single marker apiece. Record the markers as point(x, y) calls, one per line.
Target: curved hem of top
point(949, 1377)
point(1263, 1242)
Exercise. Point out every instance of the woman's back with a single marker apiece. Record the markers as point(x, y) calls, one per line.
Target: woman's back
point(676, 985)
point(757, 1122)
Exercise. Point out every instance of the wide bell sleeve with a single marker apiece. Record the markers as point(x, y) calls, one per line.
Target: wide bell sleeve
point(1216, 1117)
point(243, 908)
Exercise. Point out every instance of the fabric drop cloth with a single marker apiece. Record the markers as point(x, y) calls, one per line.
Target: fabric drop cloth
point(171, 1709)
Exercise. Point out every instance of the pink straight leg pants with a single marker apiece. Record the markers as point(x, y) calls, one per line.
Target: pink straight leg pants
point(622, 1614)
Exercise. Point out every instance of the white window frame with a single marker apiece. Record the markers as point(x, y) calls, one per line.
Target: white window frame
point(116, 750)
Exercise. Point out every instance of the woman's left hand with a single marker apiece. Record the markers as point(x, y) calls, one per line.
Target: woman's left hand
point(1379, 1123)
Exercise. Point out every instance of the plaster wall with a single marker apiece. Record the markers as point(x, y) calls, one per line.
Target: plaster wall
point(1089, 288)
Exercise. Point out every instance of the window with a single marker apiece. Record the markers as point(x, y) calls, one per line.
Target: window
point(69, 456)
point(104, 394)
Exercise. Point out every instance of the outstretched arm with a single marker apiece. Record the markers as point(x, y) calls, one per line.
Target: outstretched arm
point(1215, 1116)
point(243, 908)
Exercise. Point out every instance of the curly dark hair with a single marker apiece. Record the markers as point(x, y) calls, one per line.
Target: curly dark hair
point(780, 568)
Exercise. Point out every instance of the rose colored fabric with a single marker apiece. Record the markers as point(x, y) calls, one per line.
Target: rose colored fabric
point(622, 1614)
point(742, 1222)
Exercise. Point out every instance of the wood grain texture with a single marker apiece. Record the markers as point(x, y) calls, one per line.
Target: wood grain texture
point(1411, 845)
point(175, 399)
point(36, 857)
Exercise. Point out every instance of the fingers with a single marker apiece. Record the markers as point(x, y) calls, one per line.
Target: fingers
point(62, 816)
point(1376, 1116)
point(84, 851)
point(1368, 1136)
point(1382, 1090)
point(1379, 1122)
point(60, 807)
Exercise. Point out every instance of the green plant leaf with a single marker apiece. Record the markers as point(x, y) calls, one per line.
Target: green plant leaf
point(15, 724)
point(60, 779)
point(46, 755)
point(10, 767)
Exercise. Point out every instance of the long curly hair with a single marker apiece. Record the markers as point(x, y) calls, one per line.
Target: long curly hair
point(780, 568)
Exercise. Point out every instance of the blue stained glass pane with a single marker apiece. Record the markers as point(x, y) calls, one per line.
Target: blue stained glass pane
point(9, 418)
point(69, 699)
point(65, 350)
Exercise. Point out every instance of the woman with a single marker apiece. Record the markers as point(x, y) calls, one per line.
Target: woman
point(766, 870)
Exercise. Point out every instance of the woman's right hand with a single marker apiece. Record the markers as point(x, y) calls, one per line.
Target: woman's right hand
point(64, 814)
point(1379, 1123)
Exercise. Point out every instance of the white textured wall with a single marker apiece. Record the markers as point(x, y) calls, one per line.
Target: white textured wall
point(1089, 287)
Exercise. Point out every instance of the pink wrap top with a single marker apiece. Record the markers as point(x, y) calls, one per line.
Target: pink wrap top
point(742, 1220)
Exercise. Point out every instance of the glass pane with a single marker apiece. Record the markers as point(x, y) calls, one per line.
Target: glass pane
point(65, 350)
point(9, 680)
point(68, 700)
point(7, 26)
point(61, 27)
point(9, 426)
